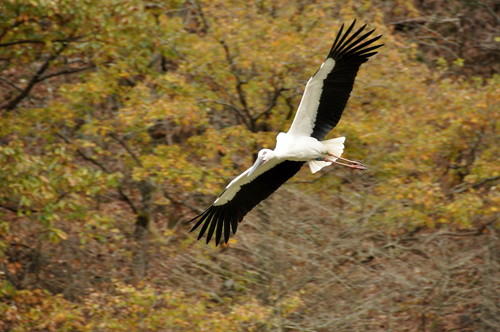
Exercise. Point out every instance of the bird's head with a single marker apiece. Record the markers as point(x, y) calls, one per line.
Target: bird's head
point(263, 157)
point(265, 154)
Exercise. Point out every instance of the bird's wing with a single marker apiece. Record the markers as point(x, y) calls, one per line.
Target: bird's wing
point(242, 195)
point(328, 90)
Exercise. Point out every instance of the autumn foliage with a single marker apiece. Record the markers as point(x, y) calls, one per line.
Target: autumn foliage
point(121, 119)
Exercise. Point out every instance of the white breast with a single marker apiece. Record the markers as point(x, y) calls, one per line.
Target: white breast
point(299, 148)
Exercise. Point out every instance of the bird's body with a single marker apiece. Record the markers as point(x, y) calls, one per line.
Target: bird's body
point(288, 147)
point(298, 147)
point(320, 109)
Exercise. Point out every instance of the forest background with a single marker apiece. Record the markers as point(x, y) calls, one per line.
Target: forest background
point(120, 119)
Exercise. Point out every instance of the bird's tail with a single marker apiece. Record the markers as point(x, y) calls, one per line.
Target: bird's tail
point(334, 147)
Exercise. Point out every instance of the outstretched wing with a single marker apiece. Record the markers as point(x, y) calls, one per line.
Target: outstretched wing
point(327, 91)
point(242, 195)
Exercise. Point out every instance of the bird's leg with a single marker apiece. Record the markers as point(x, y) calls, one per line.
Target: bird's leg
point(355, 166)
point(350, 163)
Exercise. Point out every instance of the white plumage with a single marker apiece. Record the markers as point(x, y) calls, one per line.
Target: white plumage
point(288, 147)
point(319, 111)
point(303, 123)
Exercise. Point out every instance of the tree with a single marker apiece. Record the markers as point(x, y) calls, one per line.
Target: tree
point(121, 118)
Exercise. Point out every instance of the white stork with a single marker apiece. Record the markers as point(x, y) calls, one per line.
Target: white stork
point(323, 101)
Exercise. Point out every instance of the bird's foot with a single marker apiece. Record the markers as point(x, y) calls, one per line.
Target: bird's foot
point(346, 162)
point(355, 165)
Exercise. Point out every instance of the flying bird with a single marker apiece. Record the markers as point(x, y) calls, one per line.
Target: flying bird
point(325, 96)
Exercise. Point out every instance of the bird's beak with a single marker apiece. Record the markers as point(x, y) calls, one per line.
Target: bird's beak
point(256, 165)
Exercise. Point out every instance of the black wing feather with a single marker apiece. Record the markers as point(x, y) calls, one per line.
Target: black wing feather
point(221, 219)
point(349, 52)
point(213, 223)
point(206, 219)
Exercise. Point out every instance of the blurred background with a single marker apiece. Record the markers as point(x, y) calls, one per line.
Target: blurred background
point(122, 119)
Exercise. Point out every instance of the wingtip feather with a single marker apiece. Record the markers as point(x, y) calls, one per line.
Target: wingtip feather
point(208, 218)
point(352, 46)
point(213, 224)
point(201, 217)
point(227, 228)
point(218, 232)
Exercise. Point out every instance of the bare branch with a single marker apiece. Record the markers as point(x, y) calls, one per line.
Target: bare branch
point(19, 42)
point(202, 15)
point(464, 186)
point(126, 148)
point(36, 41)
point(65, 72)
point(9, 106)
point(9, 83)
point(84, 155)
point(39, 75)
point(13, 26)
point(24, 209)
point(181, 203)
point(235, 109)
point(9, 208)
point(272, 103)
point(95, 162)
point(239, 85)
point(127, 199)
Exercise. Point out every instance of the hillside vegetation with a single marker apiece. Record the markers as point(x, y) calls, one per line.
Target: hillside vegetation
point(122, 119)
